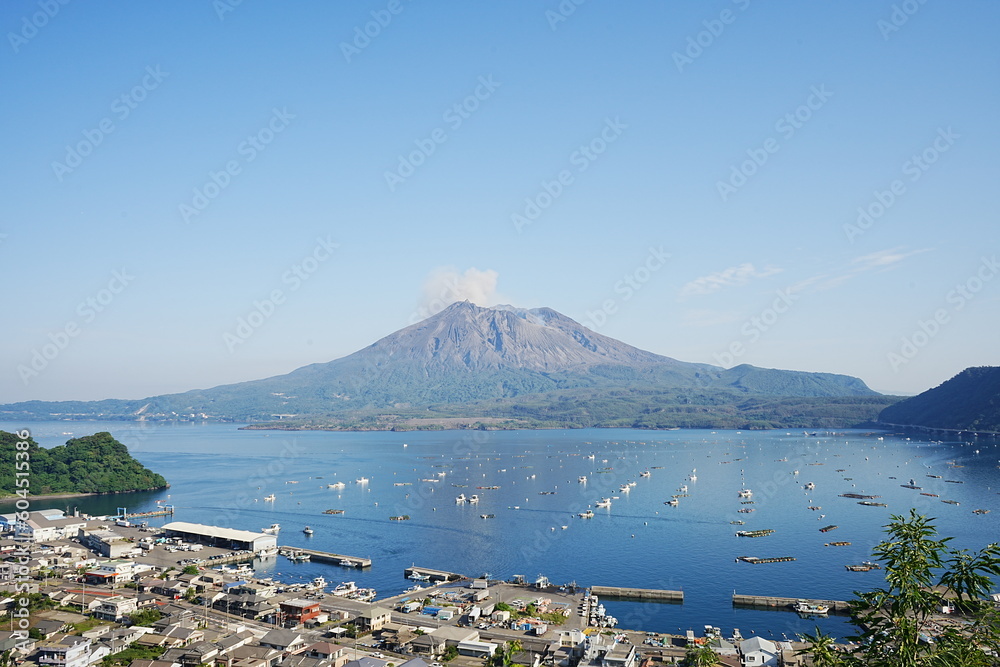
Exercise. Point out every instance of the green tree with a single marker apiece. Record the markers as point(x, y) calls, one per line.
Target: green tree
point(190, 569)
point(504, 656)
point(145, 617)
point(701, 656)
point(895, 617)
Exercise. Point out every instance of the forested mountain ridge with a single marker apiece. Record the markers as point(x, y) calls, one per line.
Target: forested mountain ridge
point(970, 401)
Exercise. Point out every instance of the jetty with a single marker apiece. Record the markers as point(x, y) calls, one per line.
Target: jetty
point(676, 597)
point(434, 575)
point(162, 510)
point(327, 557)
point(786, 604)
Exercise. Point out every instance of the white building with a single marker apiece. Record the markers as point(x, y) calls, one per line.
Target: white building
point(758, 652)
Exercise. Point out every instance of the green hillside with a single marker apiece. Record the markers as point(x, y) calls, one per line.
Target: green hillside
point(93, 464)
point(970, 401)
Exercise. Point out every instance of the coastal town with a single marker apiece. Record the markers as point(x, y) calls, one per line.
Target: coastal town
point(83, 590)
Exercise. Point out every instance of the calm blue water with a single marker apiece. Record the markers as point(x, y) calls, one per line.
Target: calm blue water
point(219, 475)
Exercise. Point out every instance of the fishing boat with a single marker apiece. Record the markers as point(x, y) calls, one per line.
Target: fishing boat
point(582, 479)
point(269, 498)
point(318, 584)
point(589, 514)
point(473, 499)
point(804, 607)
point(827, 529)
point(344, 588)
point(416, 576)
point(460, 498)
point(307, 530)
point(361, 480)
point(272, 529)
point(810, 486)
point(487, 516)
point(336, 485)
point(645, 473)
point(746, 493)
point(673, 502)
point(344, 562)
point(603, 502)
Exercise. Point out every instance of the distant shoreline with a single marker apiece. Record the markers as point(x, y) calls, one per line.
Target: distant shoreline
point(57, 496)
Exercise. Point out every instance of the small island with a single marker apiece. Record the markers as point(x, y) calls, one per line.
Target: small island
point(93, 464)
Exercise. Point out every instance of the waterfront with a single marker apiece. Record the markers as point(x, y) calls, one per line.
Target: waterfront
point(220, 476)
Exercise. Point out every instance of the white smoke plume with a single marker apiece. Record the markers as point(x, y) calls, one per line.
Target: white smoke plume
point(445, 285)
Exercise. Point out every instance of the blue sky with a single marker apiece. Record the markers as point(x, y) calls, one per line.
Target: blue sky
point(686, 177)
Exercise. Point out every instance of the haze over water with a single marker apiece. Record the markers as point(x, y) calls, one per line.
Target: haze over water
point(220, 475)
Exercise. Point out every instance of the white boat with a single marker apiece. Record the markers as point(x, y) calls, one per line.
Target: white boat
point(272, 530)
point(603, 502)
point(361, 480)
point(746, 493)
point(269, 498)
point(474, 499)
point(460, 498)
point(319, 583)
point(684, 488)
point(810, 486)
point(307, 530)
point(589, 514)
point(416, 576)
point(344, 588)
point(582, 479)
point(693, 477)
point(644, 473)
point(804, 607)
point(344, 562)
point(624, 488)
point(336, 485)
point(673, 502)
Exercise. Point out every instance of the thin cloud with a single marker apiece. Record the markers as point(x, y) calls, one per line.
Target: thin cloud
point(734, 276)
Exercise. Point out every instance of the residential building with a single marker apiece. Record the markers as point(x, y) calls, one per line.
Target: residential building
point(66, 651)
point(297, 611)
point(116, 608)
point(373, 619)
point(759, 652)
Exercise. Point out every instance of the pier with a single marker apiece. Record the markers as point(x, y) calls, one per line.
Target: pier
point(125, 515)
point(675, 597)
point(327, 557)
point(435, 575)
point(786, 604)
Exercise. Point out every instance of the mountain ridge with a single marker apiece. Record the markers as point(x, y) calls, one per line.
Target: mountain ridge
point(463, 355)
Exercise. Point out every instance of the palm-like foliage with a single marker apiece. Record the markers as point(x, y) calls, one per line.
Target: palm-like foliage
point(895, 618)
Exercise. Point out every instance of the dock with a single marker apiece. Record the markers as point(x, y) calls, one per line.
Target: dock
point(327, 557)
point(645, 594)
point(435, 575)
point(786, 604)
point(162, 510)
